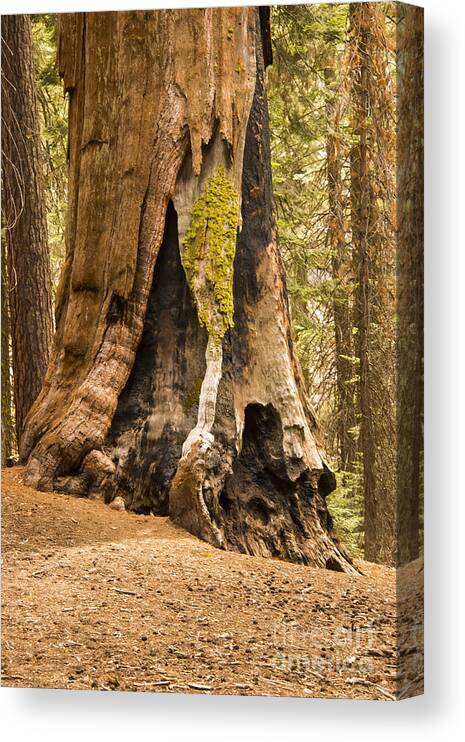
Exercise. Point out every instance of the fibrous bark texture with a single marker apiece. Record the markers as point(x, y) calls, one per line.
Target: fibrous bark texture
point(174, 382)
point(409, 276)
point(373, 234)
point(387, 229)
point(7, 419)
point(24, 218)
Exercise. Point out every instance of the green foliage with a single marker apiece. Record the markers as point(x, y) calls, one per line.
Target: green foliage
point(346, 507)
point(306, 77)
point(193, 395)
point(53, 113)
point(306, 40)
point(209, 248)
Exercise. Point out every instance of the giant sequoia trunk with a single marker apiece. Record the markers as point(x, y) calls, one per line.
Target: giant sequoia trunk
point(174, 382)
point(24, 218)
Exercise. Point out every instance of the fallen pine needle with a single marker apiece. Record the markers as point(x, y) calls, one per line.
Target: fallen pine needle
point(368, 683)
point(199, 686)
point(124, 592)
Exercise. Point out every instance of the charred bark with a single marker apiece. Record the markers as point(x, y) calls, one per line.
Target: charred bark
point(159, 404)
point(182, 393)
point(25, 222)
point(260, 487)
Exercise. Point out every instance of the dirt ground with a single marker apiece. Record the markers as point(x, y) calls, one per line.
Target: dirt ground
point(106, 600)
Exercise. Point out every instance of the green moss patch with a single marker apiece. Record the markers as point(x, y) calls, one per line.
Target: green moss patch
point(209, 248)
point(193, 396)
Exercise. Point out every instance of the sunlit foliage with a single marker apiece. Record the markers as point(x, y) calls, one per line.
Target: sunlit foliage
point(53, 118)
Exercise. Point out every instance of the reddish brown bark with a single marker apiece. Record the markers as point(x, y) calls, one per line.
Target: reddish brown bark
point(7, 418)
point(372, 214)
point(409, 277)
point(30, 300)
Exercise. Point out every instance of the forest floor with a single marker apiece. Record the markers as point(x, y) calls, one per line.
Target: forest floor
point(100, 599)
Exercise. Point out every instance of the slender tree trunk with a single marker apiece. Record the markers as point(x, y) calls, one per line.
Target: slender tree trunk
point(30, 301)
point(372, 195)
point(174, 381)
point(409, 274)
point(341, 270)
point(7, 417)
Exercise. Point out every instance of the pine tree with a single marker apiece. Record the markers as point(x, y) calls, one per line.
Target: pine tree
point(372, 215)
point(409, 276)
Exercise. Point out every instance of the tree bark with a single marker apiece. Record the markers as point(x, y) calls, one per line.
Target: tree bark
point(409, 275)
point(372, 214)
point(30, 298)
point(174, 381)
point(7, 417)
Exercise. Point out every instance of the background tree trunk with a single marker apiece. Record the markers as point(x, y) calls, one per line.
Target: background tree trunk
point(409, 275)
point(30, 299)
point(372, 195)
point(342, 276)
point(174, 381)
point(7, 417)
